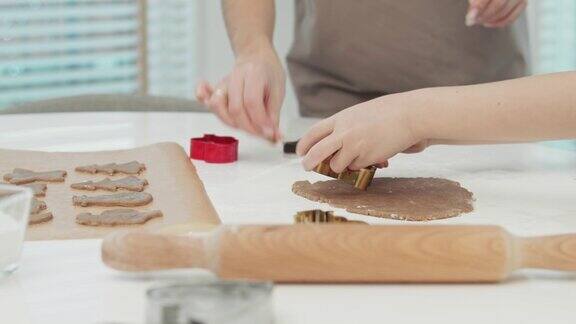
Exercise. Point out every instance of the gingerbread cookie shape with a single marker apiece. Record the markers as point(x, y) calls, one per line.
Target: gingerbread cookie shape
point(130, 183)
point(24, 176)
point(36, 214)
point(131, 199)
point(133, 167)
point(40, 218)
point(38, 189)
point(37, 206)
point(117, 217)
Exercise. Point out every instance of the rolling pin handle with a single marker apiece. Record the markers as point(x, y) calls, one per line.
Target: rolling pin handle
point(555, 252)
point(144, 251)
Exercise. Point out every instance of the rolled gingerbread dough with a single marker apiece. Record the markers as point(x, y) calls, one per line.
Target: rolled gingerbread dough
point(411, 199)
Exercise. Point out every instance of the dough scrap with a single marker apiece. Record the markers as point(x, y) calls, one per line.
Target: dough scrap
point(40, 218)
point(411, 199)
point(23, 176)
point(131, 199)
point(130, 183)
point(117, 217)
point(133, 167)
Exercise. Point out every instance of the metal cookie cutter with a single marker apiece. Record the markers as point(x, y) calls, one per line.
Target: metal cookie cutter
point(214, 149)
point(320, 216)
point(211, 303)
point(360, 179)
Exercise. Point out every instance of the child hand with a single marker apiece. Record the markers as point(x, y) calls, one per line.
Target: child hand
point(367, 134)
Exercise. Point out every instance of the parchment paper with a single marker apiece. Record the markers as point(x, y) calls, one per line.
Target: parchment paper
point(173, 182)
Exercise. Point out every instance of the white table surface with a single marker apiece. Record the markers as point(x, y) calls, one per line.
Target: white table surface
point(530, 189)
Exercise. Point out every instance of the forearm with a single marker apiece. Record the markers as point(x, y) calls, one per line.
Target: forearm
point(250, 24)
point(527, 109)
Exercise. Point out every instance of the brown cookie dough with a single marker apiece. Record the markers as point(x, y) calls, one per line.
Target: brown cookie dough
point(117, 217)
point(38, 189)
point(37, 215)
point(130, 183)
point(23, 176)
point(37, 206)
point(133, 167)
point(40, 218)
point(412, 199)
point(131, 199)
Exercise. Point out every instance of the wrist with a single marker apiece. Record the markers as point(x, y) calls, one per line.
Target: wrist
point(257, 46)
point(420, 113)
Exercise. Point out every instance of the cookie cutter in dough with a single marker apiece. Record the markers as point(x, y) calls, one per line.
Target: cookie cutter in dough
point(360, 179)
point(214, 149)
point(320, 216)
point(239, 302)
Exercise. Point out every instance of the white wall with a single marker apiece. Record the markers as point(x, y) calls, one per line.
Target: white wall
point(216, 56)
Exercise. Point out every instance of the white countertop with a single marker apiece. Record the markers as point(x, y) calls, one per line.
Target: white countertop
point(529, 189)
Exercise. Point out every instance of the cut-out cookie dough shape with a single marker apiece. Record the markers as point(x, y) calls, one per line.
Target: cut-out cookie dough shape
point(131, 199)
point(40, 218)
point(37, 215)
point(412, 199)
point(117, 217)
point(130, 183)
point(133, 167)
point(23, 176)
point(37, 206)
point(38, 189)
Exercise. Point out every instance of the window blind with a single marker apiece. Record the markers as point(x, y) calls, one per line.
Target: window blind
point(172, 47)
point(53, 48)
point(553, 35)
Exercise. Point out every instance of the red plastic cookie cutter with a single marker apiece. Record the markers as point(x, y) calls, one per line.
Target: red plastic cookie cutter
point(214, 149)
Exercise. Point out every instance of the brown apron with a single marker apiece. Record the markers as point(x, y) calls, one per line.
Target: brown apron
point(349, 51)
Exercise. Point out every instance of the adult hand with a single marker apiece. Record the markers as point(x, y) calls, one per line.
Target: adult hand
point(367, 134)
point(494, 13)
point(250, 97)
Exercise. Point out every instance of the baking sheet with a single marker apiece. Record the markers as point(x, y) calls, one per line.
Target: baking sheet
point(173, 182)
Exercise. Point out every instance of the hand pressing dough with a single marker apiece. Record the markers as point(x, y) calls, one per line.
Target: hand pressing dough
point(117, 217)
point(23, 176)
point(131, 199)
point(133, 167)
point(40, 218)
point(130, 183)
point(412, 199)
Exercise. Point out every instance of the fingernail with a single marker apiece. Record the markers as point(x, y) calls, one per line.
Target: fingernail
point(471, 17)
point(219, 92)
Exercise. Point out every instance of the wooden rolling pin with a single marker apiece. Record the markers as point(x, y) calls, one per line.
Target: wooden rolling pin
point(344, 253)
